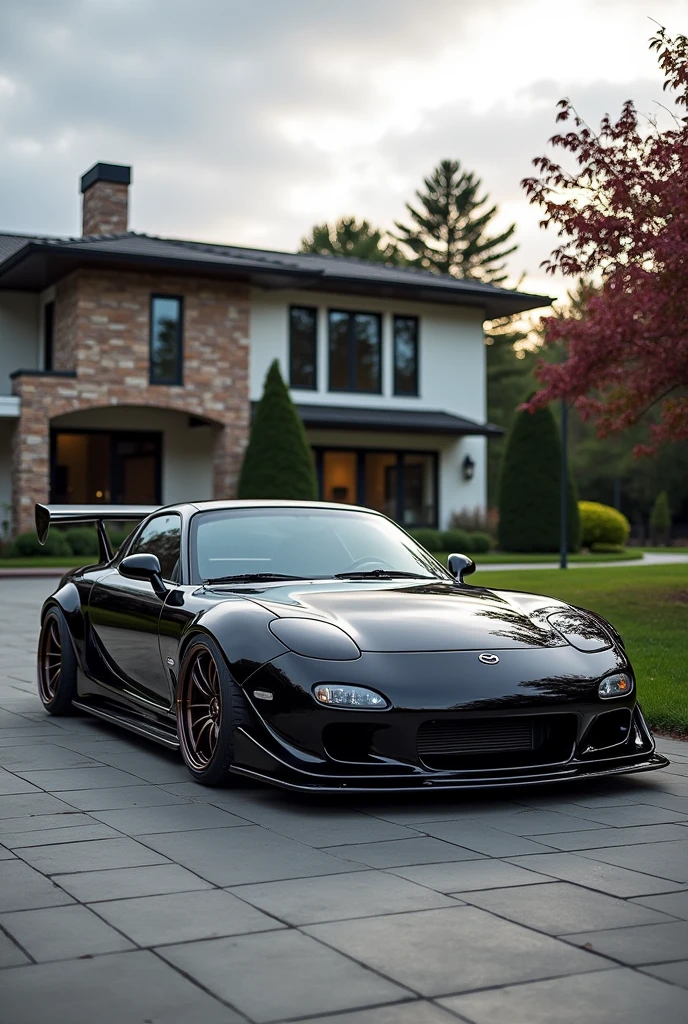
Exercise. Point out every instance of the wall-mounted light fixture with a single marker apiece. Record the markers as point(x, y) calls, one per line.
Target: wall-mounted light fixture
point(468, 468)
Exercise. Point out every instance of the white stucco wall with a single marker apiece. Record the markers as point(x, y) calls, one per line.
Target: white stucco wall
point(452, 356)
point(186, 451)
point(451, 379)
point(19, 335)
point(7, 426)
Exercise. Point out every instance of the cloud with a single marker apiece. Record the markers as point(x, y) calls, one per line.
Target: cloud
point(249, 120)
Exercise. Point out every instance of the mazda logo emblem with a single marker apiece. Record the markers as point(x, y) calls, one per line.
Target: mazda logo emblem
point(488, 659)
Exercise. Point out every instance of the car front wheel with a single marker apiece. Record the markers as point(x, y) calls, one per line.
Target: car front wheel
point(210, 707)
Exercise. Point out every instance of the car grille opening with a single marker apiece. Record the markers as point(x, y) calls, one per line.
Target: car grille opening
point(455, 744)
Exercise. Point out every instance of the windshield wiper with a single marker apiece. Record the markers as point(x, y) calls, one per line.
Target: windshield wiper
point(381, 574)
point(253, 577)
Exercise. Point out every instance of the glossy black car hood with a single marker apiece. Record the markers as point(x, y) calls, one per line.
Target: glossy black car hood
point(407, 616)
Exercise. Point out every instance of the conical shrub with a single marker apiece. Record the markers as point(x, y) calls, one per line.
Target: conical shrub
point(278, 462)
point(529, 494)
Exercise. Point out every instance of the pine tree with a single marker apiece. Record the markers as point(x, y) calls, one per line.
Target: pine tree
point(449, 229)
point(278, 462)
point(349, 237)
point(529, 498)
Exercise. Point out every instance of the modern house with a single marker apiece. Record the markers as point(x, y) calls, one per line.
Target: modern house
point(129, 363)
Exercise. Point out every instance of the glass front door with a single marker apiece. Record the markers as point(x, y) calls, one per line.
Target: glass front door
point(401, 484)
point(112, 467)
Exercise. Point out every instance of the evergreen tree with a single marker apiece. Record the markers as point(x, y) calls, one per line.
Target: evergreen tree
point(510, 381)
point(350, 237)
point(449, 230)
point(660, 519)
point(529, 496)
point(278, 462)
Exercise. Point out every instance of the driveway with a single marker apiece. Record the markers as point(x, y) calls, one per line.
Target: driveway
point(129, 894)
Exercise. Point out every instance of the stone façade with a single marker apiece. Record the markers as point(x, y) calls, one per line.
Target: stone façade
point(102, 336)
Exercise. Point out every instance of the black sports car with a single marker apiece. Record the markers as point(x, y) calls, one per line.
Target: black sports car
point(319, 647)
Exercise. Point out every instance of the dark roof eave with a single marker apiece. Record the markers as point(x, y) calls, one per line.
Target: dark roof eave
point(391, 420)
point(494, 304)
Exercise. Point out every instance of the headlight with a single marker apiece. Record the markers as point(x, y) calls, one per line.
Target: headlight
point(618, 685)
point(348, 696)
point(315, 639)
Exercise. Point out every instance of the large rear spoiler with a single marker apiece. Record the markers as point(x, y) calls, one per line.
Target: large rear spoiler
point(97, 514)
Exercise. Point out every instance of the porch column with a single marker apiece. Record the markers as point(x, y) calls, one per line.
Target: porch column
point(30, 459)
point(228, 452)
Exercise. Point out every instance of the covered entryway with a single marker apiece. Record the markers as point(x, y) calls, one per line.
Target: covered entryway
point(130, 455)
point(116, 467)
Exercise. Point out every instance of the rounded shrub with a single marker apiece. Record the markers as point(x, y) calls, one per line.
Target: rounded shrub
point(529, 491)
point(481, 543)
point(83, 540)
point(456, 540)
point(27, 545)
point(607, 549)
point(602, 524)
point(429, 539)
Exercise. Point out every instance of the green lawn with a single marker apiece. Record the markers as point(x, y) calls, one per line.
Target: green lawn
point(507, 558)
point(648, 606)
point(40, 562)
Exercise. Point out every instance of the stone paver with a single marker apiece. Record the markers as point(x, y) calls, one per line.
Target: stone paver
point(163, 900)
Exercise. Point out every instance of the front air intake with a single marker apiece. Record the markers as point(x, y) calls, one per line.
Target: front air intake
point(454, 744)
point(478, 737)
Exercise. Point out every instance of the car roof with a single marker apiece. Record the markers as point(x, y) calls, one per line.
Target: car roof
point(216, 506)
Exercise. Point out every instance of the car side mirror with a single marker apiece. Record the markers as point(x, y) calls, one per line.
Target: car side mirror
point(146, 567)
point(460, 566)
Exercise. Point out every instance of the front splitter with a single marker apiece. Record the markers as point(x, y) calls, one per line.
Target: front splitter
point(297, 779)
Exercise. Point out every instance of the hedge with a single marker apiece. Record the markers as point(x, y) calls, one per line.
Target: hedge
point(602, 524)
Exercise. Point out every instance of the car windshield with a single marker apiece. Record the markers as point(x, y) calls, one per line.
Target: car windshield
point(306, 543)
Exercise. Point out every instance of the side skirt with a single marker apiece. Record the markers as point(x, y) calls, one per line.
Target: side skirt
point(123, 718)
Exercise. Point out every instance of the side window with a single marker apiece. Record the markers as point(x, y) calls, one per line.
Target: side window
point(162, 536)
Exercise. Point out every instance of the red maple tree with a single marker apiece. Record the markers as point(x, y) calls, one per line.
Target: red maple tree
point(622, 216)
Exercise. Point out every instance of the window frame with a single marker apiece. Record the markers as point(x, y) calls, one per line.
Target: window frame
point(49, 336)
point(314, 311)
point(416, 377)
point(319, 452)
point(128, 548)
point(351, 389)
point(179, 379)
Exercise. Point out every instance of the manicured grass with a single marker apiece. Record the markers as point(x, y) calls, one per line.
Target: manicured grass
point(508, 558)
point(39, 562)
point(649, 607)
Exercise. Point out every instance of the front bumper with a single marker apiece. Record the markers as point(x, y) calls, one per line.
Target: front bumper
point(281, 764)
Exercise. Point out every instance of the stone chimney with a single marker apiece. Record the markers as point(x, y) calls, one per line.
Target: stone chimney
point(105, 190)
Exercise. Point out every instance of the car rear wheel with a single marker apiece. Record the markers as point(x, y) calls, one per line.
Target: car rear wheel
point(56, 664)
point(210, 707)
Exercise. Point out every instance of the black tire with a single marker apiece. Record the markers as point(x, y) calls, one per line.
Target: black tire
point(210, 707)
point(56, 664)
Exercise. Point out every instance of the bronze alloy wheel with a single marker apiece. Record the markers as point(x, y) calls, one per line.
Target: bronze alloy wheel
point(200, 709)
point(50, 661)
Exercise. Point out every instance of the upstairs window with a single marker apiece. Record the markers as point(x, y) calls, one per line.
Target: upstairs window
point(166, 340)
point(303, 338)
point(355, 358)
point(405, 355)
point(49, 336)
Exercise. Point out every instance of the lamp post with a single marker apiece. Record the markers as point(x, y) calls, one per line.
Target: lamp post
point(563, 489)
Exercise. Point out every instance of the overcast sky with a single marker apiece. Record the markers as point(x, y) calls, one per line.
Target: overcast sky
point(247, 121)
